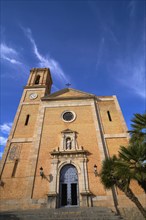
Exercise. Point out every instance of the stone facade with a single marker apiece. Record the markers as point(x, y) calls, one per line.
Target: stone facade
point(51, 131)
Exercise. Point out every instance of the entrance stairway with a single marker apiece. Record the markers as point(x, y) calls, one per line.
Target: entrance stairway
point(76, 213)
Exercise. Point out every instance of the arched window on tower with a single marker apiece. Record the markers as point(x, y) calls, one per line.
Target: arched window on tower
point(68, 143)
point(37, 80)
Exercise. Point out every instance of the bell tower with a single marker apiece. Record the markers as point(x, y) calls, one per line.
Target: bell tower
point(20, 157)
point(40, 78)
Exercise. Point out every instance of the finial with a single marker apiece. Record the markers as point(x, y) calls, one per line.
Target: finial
point(68, 84)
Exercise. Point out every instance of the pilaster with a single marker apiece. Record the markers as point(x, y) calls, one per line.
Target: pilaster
point(34, 152)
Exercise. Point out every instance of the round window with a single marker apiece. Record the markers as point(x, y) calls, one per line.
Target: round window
point(68, 116)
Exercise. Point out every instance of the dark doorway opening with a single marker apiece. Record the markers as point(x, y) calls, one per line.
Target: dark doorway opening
point(68, 192)
point(64, 195)
point(74, 193)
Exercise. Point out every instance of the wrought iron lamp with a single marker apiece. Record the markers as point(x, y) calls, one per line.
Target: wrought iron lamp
point(95, 170)
point(41, 172)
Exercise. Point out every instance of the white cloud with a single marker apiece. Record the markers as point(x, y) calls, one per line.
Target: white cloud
point(9, 54)
point(54, 88)
point(3, 141)
point(7, 50)
point(45, 61)
point(100, 53)
point(13, 61)
point(108, 30)
point(5, 128)
point(138, 80)
point(132, 8)
point(132, 75)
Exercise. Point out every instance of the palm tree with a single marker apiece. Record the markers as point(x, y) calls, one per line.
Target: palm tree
point(135, 154)
point(138, 132)
point(114, 173)
point(134, 157)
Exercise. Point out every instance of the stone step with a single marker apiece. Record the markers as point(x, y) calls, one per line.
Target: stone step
point(54, 218)
point(94, 213)
point(83, 218)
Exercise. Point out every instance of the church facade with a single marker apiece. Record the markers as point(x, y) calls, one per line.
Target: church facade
point(55, 150)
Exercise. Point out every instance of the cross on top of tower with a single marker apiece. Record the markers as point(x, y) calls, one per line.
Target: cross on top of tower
point(68, 84)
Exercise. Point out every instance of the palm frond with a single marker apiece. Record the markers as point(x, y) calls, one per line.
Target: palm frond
point(138, 131)
point(139, 121)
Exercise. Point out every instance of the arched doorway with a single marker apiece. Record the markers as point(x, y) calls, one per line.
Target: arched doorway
point(68, 186)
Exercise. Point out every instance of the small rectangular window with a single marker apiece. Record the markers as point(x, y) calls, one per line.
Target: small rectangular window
point(14, 168)
point(109, 116)
point(27, 119)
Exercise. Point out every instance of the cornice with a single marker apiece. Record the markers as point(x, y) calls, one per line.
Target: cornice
point(65, 90)
point(61, 153)
point(66, 98)
point(40, 69)
point(35, 86)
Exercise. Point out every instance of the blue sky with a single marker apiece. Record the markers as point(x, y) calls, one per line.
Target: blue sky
point(97, 46)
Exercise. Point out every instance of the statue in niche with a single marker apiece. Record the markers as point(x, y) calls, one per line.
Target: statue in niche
point(68, 143)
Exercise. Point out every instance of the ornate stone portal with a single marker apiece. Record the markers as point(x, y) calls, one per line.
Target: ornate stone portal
point(73, 158)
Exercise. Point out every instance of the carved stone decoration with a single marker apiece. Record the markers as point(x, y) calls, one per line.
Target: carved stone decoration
point(72, 159)
point(69, 158)
point(69, 141)
point(14, 152)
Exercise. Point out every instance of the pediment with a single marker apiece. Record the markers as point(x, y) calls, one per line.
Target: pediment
point(68, 93)
point(68, 131)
